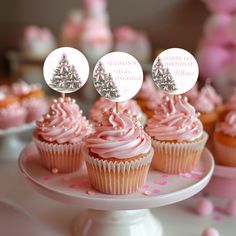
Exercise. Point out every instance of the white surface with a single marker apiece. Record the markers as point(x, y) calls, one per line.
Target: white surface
point(176, 188)
point(177, 219)
point(11, 143)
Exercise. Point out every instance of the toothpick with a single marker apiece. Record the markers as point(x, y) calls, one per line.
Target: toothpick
point(117, 107)
point(63, 95)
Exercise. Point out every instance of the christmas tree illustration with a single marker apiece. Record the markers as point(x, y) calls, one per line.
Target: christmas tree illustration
point(162, 77)
point(104, 83)
point(65, 76)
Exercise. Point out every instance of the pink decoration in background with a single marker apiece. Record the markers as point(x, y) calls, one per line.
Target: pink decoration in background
point(216, 29)
point(218, 218)
point(204, 207)
point(231, 208)
point(160, 182)
point(221, 6)
point(210, 232)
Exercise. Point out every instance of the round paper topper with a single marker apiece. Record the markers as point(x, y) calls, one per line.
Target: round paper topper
point(118, 76)
point(175, 71)
point(66, 70)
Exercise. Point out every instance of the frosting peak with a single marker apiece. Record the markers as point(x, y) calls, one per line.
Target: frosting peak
point(175, 119)
point(64, 122)
point(229, 125)
point(119, 135)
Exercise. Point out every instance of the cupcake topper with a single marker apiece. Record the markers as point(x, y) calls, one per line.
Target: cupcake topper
point(175, 71)
point(117, 76)
point(66, 70)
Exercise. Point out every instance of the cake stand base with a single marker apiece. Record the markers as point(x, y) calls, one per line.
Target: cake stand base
point(116, 223)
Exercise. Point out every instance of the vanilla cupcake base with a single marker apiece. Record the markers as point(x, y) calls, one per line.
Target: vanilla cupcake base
point(117, 178)
point(176, 158)
point(225, 155)
point(63, 157)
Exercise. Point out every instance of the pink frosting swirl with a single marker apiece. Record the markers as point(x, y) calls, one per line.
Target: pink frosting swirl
point(64, 123)
point(175, 119)
point(150, 93)
point(231, 103)
point(104, 104)
point(229, 125)
point(119, 135)
point(211, 94)
point(22, 88)
point(204, 104)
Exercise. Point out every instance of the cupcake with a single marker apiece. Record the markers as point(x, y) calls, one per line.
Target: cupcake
point(12, 114)
point(119, 154)
point(230, 105)
point(102, 104)
point(32, 99)
point(207, 109)
point(59, 136)
point(149, 96)
point(225, 141)
point(177, 136)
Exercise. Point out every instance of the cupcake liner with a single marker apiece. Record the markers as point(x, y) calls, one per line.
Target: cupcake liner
point(225, 155)
point(114, 177)
point(176, 158)
point(63, 157)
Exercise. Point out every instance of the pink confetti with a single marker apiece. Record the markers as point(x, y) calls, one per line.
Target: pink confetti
point(147, 193)
point(218, 209)
point(46, 178)
point(218, 218)
point(156, 191)
point(75, 186)
point(31, 157)
point(165, 176)
point(186, 175)
point(66, 178)
point(196, 176)
point(146, 186)
point(91, 192)
point(54, 170)
point(160, 182)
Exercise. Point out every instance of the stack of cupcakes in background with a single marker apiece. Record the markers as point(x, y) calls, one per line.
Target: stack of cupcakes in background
point(21, 103)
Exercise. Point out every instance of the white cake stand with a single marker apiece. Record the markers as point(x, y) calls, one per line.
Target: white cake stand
point(127, 215)
point(10, 143)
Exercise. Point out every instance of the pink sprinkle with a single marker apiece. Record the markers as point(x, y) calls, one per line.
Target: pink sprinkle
point(218, 218)
point(66, 178)
point(196, 176)
point(146, 186)
point(165, 176)
point(54, 170)
point(46, 178)
point(31, 157)
point(218, 209)
point(75, 186)
point(160, 182)
point(156, 191)
point(147, 193)
point(186, 175)
point(91, 192)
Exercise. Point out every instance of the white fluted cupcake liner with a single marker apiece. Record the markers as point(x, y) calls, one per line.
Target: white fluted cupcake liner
point(225, 155)
point(175, 158)
point(63, 157)
point(114, 177)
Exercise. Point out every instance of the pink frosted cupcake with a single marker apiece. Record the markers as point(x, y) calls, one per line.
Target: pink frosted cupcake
point(32, 99)
point(119, 154)
point(59, 136)
point(12, 114)
point(225, 141)
point(149, 96)
point(177, 136)
point(104, 104)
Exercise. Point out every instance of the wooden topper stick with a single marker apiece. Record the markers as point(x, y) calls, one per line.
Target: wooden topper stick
point(117, 107)
point(63, 95)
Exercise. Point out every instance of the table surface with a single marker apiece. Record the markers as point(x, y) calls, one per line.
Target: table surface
point(177, 219)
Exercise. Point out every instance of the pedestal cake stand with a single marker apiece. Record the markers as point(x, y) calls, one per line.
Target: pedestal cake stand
point(10, 143)
point(115, 215)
